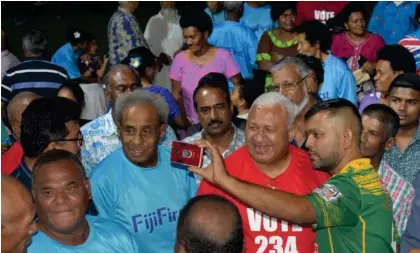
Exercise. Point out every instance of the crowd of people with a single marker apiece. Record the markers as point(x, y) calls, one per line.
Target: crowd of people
point(307, 112)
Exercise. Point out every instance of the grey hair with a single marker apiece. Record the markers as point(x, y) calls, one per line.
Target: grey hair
point(34, 42)
point(302, 69)
point(115, 69)
point(275, 98)
point(232, 6)
point(141, 97)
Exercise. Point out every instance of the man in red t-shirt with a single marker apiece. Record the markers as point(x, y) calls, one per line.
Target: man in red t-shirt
point(268, 160)
point(11, 159)
point(319, 10)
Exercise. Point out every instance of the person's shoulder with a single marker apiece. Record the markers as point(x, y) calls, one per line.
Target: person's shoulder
point(194, 137)
point(112, 164)
point(39, 243)
point(237, 158)
point(105, 225)
point(340, 64)
point(181, 56)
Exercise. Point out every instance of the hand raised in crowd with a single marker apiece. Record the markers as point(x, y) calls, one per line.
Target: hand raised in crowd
point(216, 172)
point(106, 59)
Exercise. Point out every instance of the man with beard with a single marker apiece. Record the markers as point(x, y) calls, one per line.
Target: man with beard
point(404, 98)
point(136, 185)
point(291, 77)
point(47, 123)
point(61, 192)
point(351, 212)
point(380, 126)
point(214, 110)
point(270, 161)
point(17, 216)
point(164, 37)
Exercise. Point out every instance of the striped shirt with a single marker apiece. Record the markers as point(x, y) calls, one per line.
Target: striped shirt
point(401, 192)
point(35, 75)
point(412, 43)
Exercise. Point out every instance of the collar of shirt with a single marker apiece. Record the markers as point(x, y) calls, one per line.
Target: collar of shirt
point(415, 139)
point(37, 58)
point(125, 11)
point(25, 168)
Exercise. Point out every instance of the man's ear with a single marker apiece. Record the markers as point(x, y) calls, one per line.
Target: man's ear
point(292, 132)
point(348, 137)
point(88, 188)
point(389, 143)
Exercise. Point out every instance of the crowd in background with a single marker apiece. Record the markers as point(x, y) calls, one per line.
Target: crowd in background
point(308, 114)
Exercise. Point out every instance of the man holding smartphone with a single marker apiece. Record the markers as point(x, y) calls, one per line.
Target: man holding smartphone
point(214, 110)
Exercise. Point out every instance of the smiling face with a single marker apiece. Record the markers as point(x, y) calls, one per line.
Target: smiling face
point(384, 76)
point(267, 134)
point(287, 20)
point(140, 133)
point(61, 196)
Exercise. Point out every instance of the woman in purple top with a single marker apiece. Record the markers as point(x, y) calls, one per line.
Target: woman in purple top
point(199, 59)
point(145, 63)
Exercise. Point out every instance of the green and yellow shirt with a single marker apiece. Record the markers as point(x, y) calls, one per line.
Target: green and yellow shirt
point(353, 213)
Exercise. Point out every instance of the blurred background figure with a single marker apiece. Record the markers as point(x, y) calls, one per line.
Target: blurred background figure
point(216, 12)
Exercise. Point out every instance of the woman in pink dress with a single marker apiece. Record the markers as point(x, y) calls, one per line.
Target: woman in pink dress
point(356, 45)
point(199, 59)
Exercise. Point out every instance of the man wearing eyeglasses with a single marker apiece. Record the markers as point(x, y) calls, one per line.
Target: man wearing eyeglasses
point(47, 123)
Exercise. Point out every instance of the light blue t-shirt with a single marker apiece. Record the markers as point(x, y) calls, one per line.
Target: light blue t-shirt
point(146, 201)
point(216, 18)
point(105, 236)
point(257, 19)
point(240, 41)
point(67, 58)
point(339, 81)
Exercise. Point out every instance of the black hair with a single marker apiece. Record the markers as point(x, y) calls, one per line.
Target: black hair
point(398, 57)
point(418, 12)
point(189, 236)
point(406, 80)
point(76, 36)
point(213, 80)
point(315, 65)
point(278, 8)
point(77, 91)
point(56, 155)
point(316, 33)
point(44, 121)
point(139, 59)
point(89, 37)
point(249, 90)
point(386, 115)
point(193, 17)
point(351, 8)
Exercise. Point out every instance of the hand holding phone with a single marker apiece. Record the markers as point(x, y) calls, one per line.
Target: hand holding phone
point(186, 154)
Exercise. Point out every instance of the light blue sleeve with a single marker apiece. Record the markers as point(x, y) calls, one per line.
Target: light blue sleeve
point(103, 194)
point(375, 24)
point(128, 243)
point(347, 87)
point(192, 185)
point(252, 48)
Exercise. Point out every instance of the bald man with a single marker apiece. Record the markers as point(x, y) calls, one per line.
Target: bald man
point(17, 216)
point(12, 157)
point(209, 223)
point(350, 212)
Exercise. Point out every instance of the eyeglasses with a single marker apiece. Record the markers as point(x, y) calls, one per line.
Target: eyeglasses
point(79, 140)
point(287, 86)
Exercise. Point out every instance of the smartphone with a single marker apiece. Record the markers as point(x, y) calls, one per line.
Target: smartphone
point(186, 154)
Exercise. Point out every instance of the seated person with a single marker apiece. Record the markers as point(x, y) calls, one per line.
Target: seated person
point(136, 185)
point(61, 192)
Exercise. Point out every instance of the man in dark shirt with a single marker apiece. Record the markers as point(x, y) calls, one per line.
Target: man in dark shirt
point(47, 123)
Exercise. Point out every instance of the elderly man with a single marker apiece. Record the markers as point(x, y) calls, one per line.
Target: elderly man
point(270, 161)
point(164, 37)
point(11, 159)
point(61, 192)
point(350, 213)
point(17, 216)
point(35, 73)
point(136, 185)
point(291, 78)
point(214, 110)
point(47, 123)
point(213, 222)
point(101, 135)
point(124, 32)
point(236, 38)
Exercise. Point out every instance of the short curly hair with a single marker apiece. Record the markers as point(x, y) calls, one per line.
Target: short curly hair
point(316, 33)
point(278, 8)
point(197, 18)
point(398, 57)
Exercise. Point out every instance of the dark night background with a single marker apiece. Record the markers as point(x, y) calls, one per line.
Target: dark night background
point(20, 17)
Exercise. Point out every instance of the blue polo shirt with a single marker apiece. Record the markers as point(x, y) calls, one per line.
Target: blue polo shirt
point(67, 58)
point(257, 19)
point(216, 18)
point(146, 201)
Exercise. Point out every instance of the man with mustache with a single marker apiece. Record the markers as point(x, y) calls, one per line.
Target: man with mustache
point(350, 213)
point(404, 98)
point(214, 110)
point(268, 160)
